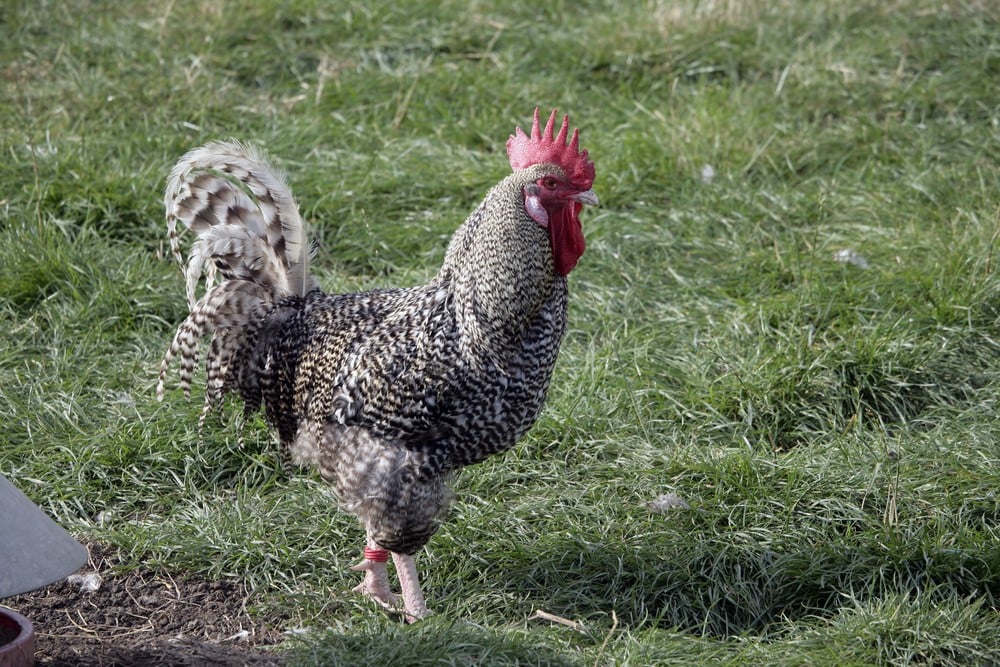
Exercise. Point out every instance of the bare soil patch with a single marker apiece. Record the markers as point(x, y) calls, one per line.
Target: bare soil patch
point(142, 617)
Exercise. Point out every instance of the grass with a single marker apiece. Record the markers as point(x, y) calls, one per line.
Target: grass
point(832, 425)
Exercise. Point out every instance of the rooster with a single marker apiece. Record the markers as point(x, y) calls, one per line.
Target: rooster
point(388, 392)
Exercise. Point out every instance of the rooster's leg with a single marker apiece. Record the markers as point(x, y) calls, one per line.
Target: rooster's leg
point(376, 582)
point(413, 597)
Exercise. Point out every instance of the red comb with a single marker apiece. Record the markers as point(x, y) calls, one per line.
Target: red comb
point(541, 146)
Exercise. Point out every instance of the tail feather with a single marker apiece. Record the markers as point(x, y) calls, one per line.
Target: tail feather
point(240, 254)
point(231, 186)
point(230, 312)
point(247, 227)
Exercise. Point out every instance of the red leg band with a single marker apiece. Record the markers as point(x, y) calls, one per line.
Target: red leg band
point(376, 555)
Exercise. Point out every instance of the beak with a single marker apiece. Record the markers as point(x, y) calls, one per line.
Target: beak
point(587, 197)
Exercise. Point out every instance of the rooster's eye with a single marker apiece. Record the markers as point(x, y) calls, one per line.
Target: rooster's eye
point(549, 183)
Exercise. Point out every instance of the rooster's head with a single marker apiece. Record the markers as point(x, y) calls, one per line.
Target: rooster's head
point(559, 187)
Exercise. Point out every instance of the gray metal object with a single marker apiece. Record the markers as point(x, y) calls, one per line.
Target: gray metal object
point(34, 549)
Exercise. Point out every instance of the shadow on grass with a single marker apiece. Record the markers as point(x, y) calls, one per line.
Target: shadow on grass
point(715, 588)
point(432, 641)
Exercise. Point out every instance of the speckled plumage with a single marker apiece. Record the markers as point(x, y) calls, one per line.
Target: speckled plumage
point(385, 392)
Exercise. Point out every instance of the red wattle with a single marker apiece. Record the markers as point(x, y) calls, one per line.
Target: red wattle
point(566, 235)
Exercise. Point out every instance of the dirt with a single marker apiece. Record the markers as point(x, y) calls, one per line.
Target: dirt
point(141, 617)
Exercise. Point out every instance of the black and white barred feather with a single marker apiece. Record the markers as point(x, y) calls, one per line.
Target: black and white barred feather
point(248, 228)
point(246, 222)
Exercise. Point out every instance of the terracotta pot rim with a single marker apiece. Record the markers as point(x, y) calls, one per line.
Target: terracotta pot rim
point(23, 644)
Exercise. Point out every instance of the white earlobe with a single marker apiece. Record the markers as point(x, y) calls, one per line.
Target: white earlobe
point(536, 211)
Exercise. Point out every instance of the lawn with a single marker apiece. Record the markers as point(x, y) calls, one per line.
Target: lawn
point(786, 317)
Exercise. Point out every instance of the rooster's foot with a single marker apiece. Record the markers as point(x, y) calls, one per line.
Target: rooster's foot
point(376, 584)
point(413, 597)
